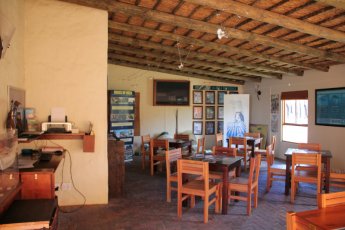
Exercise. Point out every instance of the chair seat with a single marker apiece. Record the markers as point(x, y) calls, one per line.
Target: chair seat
point(197, 187)
point(305, 175)
point(173, 177)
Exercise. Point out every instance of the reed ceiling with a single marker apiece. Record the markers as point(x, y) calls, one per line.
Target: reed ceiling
point(225, 40)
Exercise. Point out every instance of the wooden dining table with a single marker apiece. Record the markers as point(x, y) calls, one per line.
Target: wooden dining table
point(225, 165)
point(326, 156)
point(332, 217)
point(177, 143)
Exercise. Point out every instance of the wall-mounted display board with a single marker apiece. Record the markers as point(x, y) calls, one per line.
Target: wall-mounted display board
point(171, 92)
point(121, 106)
point(208, 108)
point(330, 107)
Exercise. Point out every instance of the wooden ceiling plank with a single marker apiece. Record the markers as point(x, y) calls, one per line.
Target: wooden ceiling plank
point(335, 3)
point(143, 67)
point(212, 28)
point(245, 10)
point(212, 45)
point(184, 69)
point(193, 54)
point(158, 55)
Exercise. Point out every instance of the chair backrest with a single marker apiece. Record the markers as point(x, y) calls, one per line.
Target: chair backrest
point(201, 145)
point(238, 142)
point(192, 167)
point(310, 146)
point(172, 156)
point(331, 199)
point(181, 137)
point(255, 135)
point(254, 170)
point(158, 143)
point(224, 151)
point(219, 139)
point(273, 143)
point(145, 140)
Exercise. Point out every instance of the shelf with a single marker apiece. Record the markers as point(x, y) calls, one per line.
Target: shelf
point(88, 140)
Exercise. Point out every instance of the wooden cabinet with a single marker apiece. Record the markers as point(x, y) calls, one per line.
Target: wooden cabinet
point(37, 185)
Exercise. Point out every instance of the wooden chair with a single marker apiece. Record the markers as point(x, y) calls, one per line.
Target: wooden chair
point(201, 146)
point(275, 172)
point(262, 152)
point(203, 188)
point(219, 139)
point(307, 176)
point(145, 149)
point(223, 151)
point(331, 199)
point(185, 137)
point(241, 144)
point(171, 158)
point(247, 185)
point(310, 146)
point(156, 158)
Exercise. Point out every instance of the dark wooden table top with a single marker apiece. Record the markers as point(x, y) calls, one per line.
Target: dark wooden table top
point(289, 151)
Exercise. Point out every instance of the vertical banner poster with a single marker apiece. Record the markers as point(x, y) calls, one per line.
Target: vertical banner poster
point(236, 115)
point(274, 113)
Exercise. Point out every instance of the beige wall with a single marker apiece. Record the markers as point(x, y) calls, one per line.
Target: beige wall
point(66, 66)
point(330, 137)
point(156, 119)
point(12, 65)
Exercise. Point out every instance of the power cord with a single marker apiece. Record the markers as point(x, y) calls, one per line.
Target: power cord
point(75, 188)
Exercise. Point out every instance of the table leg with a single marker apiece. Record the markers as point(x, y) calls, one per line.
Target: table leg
point(225, 190)
point(190, 147)
point(287, 175)
point(327, 174)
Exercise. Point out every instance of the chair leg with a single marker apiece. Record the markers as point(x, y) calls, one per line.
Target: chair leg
point(292, 198)
point(256, 191)
point(268, 187)
point(249, 203)
point(245, 163)
point(179, 205)
point(218, 199)
point(143, 160)
point(192, 201)
point(152, 166)
point(168, 191)
point(206, 201)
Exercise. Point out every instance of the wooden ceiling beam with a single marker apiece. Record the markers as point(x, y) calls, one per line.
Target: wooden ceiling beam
point(160, 56)
point(197, 25)
point(212, 45)
point(336, 3)
point(184, 74)
point(192, 54)
point(270, 17)
point(174, 67)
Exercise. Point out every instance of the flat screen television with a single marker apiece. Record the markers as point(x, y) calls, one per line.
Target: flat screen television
point(330, 107)
point(171, 92)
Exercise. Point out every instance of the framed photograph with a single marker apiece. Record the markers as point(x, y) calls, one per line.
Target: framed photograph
point(210, 97)
point(197, 97)
point(209, 127)
point(210, 112)
point(197, 112)
point(220, 126)
point(220, 97)
point(220, 112)
point(197, 127)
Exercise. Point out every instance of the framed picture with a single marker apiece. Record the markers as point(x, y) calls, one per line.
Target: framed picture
point(220, 126)
point(197, 112)
point(210, 112)
point(210, 97)
point(220, 112)
point(197, 97)
point(209, 127)
point(197, 127)
point(220, 97)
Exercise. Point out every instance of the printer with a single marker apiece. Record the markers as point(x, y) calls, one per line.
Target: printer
point(57, 127)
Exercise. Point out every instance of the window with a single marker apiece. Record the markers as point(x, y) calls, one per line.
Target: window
point(295, 116)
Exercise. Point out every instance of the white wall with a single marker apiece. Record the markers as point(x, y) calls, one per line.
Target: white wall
point(331, 138)
point(12, 65)
point(156, 119)
point(66, 66)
